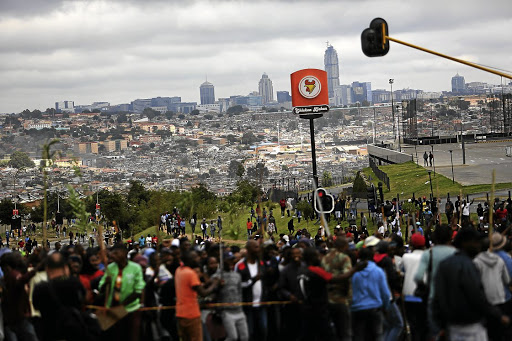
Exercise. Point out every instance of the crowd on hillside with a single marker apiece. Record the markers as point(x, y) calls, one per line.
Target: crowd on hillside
point(439, 281)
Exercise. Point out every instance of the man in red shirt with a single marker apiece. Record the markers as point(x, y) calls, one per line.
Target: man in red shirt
point(188, 286)
point(249, 228)
point(501, 213)
point(282, 203)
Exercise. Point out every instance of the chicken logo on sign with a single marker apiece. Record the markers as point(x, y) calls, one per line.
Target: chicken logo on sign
point(310, 87)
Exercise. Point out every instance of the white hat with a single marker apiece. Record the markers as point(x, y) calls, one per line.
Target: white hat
point(175, 242)
point(286, 238)
point(371, 241)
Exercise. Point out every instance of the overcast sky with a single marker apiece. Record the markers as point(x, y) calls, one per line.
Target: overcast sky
point(118, 51)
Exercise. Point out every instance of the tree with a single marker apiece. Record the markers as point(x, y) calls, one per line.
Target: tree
point(306, 209)
point(235, 110)
point(212, 171)
point(122, 118)
point(234, 169)
point(169, 114)
point(208, 117)
point(194, 112)
point(150, 113)
point(20, 160)
point(152, 145)
point(257, 172)
point(248, 138)
point(137, 193)
point(359, 185)
point(326, 179)
point(181, 116)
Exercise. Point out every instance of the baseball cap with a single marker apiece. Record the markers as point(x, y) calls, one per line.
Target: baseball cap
point(417, 240)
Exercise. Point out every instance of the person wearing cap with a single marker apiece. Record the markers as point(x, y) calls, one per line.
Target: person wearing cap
point(415, 308)
point(495, 278)
point(460, 305)
point(123, 284)
point(230, 291)
point(499, 244)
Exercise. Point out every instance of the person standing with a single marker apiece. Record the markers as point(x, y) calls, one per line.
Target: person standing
point(289, 291)
point(233, 318)
point(249, 228)
point(193, 223)
point(338, 263)
point(415, 308)
point(425, 159)
point(123, 284)
point(188, 286)
point(431, 158)
point(282, 203)
point(219, 226)
point(460, 304)
point(370, 297)
point(442, 237)
point(253, 290)
point(495, 277)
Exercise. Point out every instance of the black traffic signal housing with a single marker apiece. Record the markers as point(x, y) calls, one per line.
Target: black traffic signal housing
point(323, 202)
point(374, 40)
point(381, 194)
point(372, 200)
point(16, 222)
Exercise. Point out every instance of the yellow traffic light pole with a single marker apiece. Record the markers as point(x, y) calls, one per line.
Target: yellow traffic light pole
point(384, 37)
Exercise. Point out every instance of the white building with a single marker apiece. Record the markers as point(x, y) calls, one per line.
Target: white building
point(266, 90)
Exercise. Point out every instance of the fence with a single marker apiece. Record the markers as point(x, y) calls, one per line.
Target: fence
point(382, 176)
point(388, 156)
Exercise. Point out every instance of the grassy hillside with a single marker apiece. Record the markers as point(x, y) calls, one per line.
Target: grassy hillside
point(408, 178)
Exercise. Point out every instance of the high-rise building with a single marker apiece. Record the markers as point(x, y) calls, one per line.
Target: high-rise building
point(265, 89)
point(458, 84)
point(332, 68)
point(361, 91)
point(207, 93)
point(283, 96)
point(342, 95)
point(65, 106)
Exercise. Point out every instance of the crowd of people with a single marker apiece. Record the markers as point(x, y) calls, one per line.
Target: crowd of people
point(448, 281)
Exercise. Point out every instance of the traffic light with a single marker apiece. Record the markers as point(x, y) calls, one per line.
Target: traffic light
point(371, 195)
point(374, 40)
point(381, 194)
point(324, 203)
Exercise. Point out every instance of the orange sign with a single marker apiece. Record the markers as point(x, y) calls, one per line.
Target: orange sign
point(309, 88)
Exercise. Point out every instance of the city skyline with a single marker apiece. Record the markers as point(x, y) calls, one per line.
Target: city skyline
point(53, 52)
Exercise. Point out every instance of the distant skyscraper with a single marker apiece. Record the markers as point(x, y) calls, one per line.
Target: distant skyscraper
point(265, 89)
point(458, 84)
point(361, 91)
point(207, 93)
point(283, 96)
point(332, 68)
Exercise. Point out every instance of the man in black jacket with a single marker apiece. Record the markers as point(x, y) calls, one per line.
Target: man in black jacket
point(460, 304)
point(289, 290)
point(253, 290)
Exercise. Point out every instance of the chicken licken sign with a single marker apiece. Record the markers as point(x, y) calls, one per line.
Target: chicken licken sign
point(310, 95)
point(310, 100)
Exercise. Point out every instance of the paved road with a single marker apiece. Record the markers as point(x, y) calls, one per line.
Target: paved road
point(481, 159)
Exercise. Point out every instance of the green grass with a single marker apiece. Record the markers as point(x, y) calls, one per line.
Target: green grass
point(408, 178)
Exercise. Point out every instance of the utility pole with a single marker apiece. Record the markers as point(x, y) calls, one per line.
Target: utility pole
point(391, 81)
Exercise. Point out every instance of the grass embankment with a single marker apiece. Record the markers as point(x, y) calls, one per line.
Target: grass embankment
point(408, 178)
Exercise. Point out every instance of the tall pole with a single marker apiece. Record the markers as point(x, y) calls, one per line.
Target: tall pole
point(430, 180)
point(391, 80)
point(451, 160)
point(461, 134)
point(374, 128)
point(432, 119)
point(313, 151)
point(399, 126)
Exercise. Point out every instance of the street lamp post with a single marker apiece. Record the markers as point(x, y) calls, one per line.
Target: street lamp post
point(399, 126)
point(461, 133)
point(391, 81)
point(451, 160)
point(432, 119)
point(433, 160)
point(430, 180)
